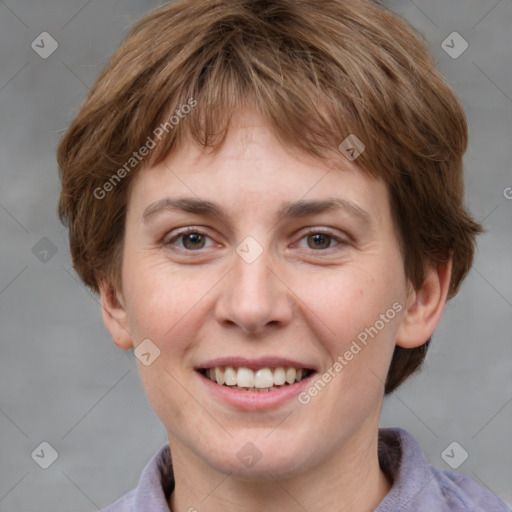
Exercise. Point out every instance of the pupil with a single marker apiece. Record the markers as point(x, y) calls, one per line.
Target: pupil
point(320, 237)
point(194, 238)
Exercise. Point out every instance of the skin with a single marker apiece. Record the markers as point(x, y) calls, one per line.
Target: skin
point(295, 300)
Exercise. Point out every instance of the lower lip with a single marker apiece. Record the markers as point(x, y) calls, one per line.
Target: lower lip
point(256, 400)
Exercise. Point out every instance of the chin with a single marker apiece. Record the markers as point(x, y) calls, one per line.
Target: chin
point(261, 460)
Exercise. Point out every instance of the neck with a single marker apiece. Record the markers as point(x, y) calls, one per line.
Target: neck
point(349, 481)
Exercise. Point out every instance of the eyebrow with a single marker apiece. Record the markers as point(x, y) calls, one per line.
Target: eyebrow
point(287, 210)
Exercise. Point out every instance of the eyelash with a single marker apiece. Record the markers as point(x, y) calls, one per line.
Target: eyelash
point(191, 230)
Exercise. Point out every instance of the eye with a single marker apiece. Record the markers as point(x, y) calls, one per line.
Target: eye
point(321, 240)
point(191, 239)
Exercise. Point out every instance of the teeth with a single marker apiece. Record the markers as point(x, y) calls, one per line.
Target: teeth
point(219, 376)
point(229, 376)
point(291, 373)
point(262, 380)
point(279, 376)
point(245, 378)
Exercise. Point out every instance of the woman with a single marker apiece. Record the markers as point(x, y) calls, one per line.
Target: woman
point(268, 197)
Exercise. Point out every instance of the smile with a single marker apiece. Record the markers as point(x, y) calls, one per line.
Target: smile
point(258, 380)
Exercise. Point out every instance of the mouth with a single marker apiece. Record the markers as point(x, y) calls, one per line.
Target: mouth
point(259, 380)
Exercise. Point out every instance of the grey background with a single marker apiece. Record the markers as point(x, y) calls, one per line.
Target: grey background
point(64, 382)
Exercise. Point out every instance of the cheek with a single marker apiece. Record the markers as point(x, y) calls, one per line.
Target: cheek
point(343, 299)
point(167, 305)
point(156, 298)
point(356, 303)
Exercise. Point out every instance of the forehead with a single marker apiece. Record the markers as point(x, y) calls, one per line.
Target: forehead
point(253, 168)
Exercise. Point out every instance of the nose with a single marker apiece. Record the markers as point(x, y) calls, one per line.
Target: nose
point(254, 296)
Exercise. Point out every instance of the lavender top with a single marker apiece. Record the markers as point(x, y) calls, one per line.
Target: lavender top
point(417, 486)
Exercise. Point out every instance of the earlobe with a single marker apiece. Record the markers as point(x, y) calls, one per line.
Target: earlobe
point(425, 306)
point(114, 315)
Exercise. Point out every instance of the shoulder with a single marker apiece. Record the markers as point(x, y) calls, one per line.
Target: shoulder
point(154, 487)
point(123, 504)
point(420, 487)
point(462, 493)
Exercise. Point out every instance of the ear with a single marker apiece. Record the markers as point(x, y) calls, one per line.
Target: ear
point(114, 315)
point(425, 306)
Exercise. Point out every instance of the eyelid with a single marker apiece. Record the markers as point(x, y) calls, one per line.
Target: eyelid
point(325, 231)
point(180, 232)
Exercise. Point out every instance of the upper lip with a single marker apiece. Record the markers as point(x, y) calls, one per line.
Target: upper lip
point(254, 364)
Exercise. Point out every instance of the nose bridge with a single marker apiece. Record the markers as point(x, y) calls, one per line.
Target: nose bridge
point(252, 274)
point(253, 296)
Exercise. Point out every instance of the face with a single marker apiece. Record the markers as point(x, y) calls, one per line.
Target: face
point(262, 285)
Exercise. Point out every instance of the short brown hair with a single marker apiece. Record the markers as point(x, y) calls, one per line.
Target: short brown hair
point(318, 70)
